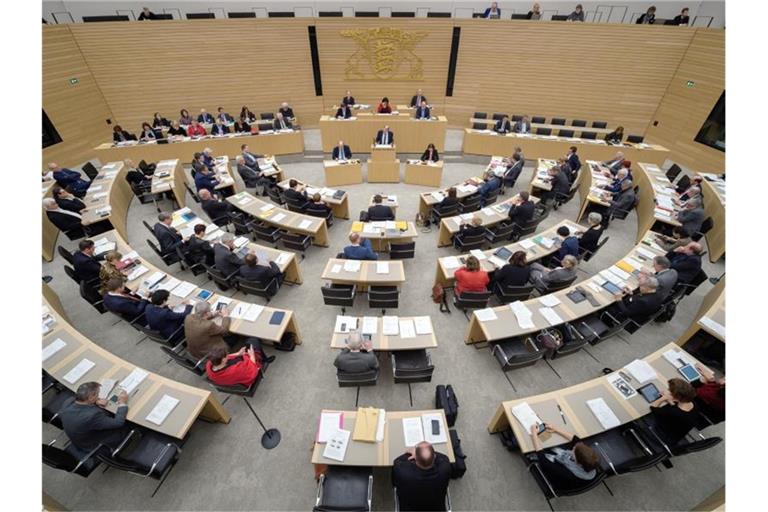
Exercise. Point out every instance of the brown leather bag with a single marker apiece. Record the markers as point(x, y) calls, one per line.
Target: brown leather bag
point(438, 294)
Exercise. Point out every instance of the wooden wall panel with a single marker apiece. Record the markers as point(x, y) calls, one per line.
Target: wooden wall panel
point(613, 73)
point(79, 112)
point(683, 110)
point(144, 68)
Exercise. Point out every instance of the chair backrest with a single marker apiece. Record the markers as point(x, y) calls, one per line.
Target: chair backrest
point(635, 139)
point(66, 255)
point(154, 247)
point(696, 446)
point(599, 124)
point(501, 231)
point(275, 195)
point(706, 226)
point(558, 120)
point(346, 379)
point(472, 300)
point(512, 293)
point(684, 182)
point(58, 458)
point(498, 116)
point(479, 126)
point(560, 285)
point(386, 297)
point(559, 17)
point(91, 295)
point(263, 127)
point(267, 290)
point(90, 170)
point(600, 244)
point(578, 122)
point(71, 273)
point(480, 115)
point(468, 243)
point(516, 117)
point(183, 359)
point(192, 193)
point(565, 133)
point(402, 251)
point(267, 115)
point(673, 172)
point(448, 210)
point(538, 119)
point(492, 196)
point(589, 135)
point(470, 203)
point(543, 131)
point(296, 241)
point(338, 296)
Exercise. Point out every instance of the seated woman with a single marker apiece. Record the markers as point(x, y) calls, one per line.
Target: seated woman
point(110, 270)
point(148, 133)
point(242, 367)
point(615, 136)
point(542, 277)
point(470, 278)
point(710, 395)
point(589, 239)
point(430, 154)
point(515, 273)
point(177, 130)
point(120, 135)
point(159, 121)
point(566, 468)
point(674, 412)
point(317, 207)
point(241, 126)
point(384, 107)
point(247, 115)
point(184, 118)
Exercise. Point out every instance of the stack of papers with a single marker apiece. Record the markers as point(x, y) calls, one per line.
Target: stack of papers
point(336, 445)
point(477, 253)
point(382, 267)
point(526, 244)
point(247, 312)
point(603, 413)
point(678, 358)
point(344, 324)
point(351, 265)
point(267, 207)
point(305, 224)
point(450, 262)
point(551, 316)
point(486, 315)
point(80, 369)
point(163, 408)
point(407, 329)
point(137, 272)
point(437, 196)
point(549, 300)
point(423, 325)
point(641, 370)
point(366, 424)
point(523, 315)
point(370, 325)
point(526, 416)
point(133, 379)
point(330, 422)
point(183, 289)
point(390, 325)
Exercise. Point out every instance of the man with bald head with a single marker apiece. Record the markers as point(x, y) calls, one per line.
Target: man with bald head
point(686, 260)
point(69, 179)
point(286, 111)
point(360, 249)
point(421, 477)
point(638, 306)
point(341, 151)
point(614, 164)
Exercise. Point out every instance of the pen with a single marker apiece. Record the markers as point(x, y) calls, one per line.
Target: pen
point(561, 414)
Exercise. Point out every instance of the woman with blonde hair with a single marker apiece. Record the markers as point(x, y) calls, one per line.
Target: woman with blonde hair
point(470, 278)
point(109, 270)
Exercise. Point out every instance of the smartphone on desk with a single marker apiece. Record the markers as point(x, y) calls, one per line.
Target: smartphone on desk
point(435, 428)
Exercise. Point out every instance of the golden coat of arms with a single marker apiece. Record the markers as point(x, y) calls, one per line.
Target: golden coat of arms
point(384, 54)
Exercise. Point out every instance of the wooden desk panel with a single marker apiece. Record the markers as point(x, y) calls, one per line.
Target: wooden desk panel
point(428, 175)
point(380, 171)
point(713, 194)
point(380, 239)
point(50, 231)
point(380, 342)
point(337, 174)
point(172, 182)
point(339, 207)
point(411, 135)
point(109, 188)
point(366, 275)
point(427, 200)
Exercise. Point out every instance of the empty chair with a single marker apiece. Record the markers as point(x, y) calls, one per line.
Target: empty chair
point(342, 295)
point(598, 327)
point(578, 122)
point(267, 115)
point(559, 17)
point(673, 172)
point(402, 251)
point(242, 224)
point(470, 203)
point(344, 488)
point(570, 344)
point(66, 255)
point(471, 300)
point(538, 120)
point(169, 259)
point(599, 124)
point(543, 131)
point(480, 115)
point(635, 139)
point(706, 226)
point(565, 133)
point(267, 291)
point(356, 380)
point(497, 116)
point(192, 193)
point(500, 232)
point(223, 282)
point(296, 242)
point(479, 126)
point(412, 366)
point(683, 183)
point(525, 229)
point(516, 353)
point(143, 193)
point(383, 297)
point(559, 285)
point(558, 120)
point(267, 233)
point(265, 127)
point(508, 294)
point(589, 135)
point(275, 195)
point(70, 459)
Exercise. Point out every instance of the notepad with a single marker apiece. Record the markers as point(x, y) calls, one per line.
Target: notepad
point(106, 387)
point(551, 316)
point(625, 266)
point(526, 416)
point(382, 267)
point(477, 253)
point(133, 379)
point(370, 325)
point(450, 262)
point(335, 269)
point(53, 347)
point(336, 445)
point(329, 423)
point(80, 369)
point(412, 431)
point(603, 413)
point(305, 224)
point(486, 315)
point(351, 265)
point(183, 289)
point(254, 310)
point(357, 227)
point(278, 217)
point(641, 370)
point(426, 423)
point(282, 258)
point(267, 207)
point(549, 301)
point(407, 329)
point(423, 325)
point(154, 279)
point(137, 272)
point(390, 325)
point(163, 408)
point(401, 225)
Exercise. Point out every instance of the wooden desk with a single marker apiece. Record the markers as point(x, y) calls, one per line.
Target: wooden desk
point(711, 315)
point(477, 142)
point(281, 218)
point(169, 177)
point(713, 193)
point(383, 343)
point(50, 231)
point(411, 135)
point(572, 400)
point(490, 215)
point(601, 132)
point(507, 326)
point(383, 153)
point(193, 402)
point(384, 453)
point(534, 247)
point(270, 168)
point(337, 174)
point(263, 143)
point(663, 194)
point(109, 192)
point(387, 200)
point(381, 171)
point(464, 189)
point(223, 173)
point(376, 232)
point(539, 178)
point(589, 188)
point(422, 173)
point(366, 275)
point(339, 207)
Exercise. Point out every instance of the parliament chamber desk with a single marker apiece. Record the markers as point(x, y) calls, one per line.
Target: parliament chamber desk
point(506, 324)
point(484, 142)
point(713, 193)
point(223, 173)
point(579, 418)
point(490, 216)
point(428, 174)
point(364, 273)
point(339, 206)
point(601, 132)
point(381, 233)
point(535, 247)
point(108, 198)
point(169, 177)
point(539, 175)
point(711, 316)
point(260, 327)
point(281, 143)
point(464, 189)
point(346, 172)
point(387, 200)
point(590, 189)
point(269, 167)
point(383, 152)
point(411, 135)
point(185, 220)
point(381, 454)
point(383, 171)
point(663, 194)
point(282, 218)
point(388, 343)
point(193, 402)
point(50, 231)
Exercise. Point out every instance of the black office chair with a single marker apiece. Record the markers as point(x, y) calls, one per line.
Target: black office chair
point(538, 119)
point(344, 489)
point(183, 358)
point(599, 124)
point(90, 293)
point(143, 193)
point(320, 212)
point(516, 117)
point(402, 251)
point(68, 257)
point(383, 297)
point(169, 258)
point(479, 126)
point(470, 301)
point(342, 295)
point(296, 205)
point(176, 337)
point(565, 133)
point(357, 379)
point(705, 228)
point(90, 170)
point(196, 267)
point(589, 135)
point(543, 131)
point(635, 139)
point(275, 195)
point(509, 294)
point(579, 122)
point(223, 282)
point(572, 343)
point(409, 366)
point(516, 353)
point(498, 116)
point(436, 214)
point(267, 291)
point(492, 196)
point(556, 286)
point(71, 460)
point(297, 242)
point(242, 223)
point(526, 229)
point(480, 115)
point(268, 233)
point(447, 507)
point(147, 169)
point(71, 273)
point(683, 183)
point(598, 327)
point(586, 255)
point(470, 203)
point(53, 405)
point(468, 243)
point(550, 489)
point(673, 171)
point(267, 115)
point(623, 450)
point(501, 232)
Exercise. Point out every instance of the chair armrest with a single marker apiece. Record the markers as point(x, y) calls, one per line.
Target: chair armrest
point(319, 496)
point(574, 332)
point(661, 442)
point(530, 342)
point(503, 355)
point(597, 336)
point(124, 442)
point(607, 459)
point(370, 491)
point(159, 458)
point(86, 457)
point(232, 275)
point(613, 318)
point(201, 361)
point(639, 441)
point(535, 465)
point(180, 329)
point(139, 317)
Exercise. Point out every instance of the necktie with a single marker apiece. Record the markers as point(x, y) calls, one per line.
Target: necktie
point(385, 138)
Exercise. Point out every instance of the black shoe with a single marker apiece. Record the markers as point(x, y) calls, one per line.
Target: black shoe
point(607, 371)
point(271, 358)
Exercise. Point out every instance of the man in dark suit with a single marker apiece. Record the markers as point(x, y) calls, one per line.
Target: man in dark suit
point(344, 112)
point(204, 117)
point(615, 186)
point(341, 152)
point(573, 159)
point(69, 222)
point(217, 210)
point(692, 215)
point(356, 358)
point(281, 123)
point(286, 111)
point(522, 126)
point(418, 98)
point(262, 274)
point(69, 179)
point(168, 237)
point(615, 163)
point(252, 176)
point(223, 116)
point(86, 264)
point(163, 319)
point(219, 128)
point(205, 180)
point(522, 209)
point(421, 478)
point(422, 112)
point(348, 99)
point(67, 201)
point(503, 126)
point(208, 159)
point(198, 249)
point(513, 170)
point(379, 211)
point(251, 159)
point(120, 302)
point(385, 136)
point(226, 261)
point(294, 194)
point(686, 260)
point(560, 184)
point(622, 203)
point(637, 306)
point(86, 422)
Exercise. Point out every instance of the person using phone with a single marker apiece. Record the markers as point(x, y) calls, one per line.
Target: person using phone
point(421, 477)
point(565, 467)
point(242, 367)
point(358, 357)
point(674, 413)
point(86, 422)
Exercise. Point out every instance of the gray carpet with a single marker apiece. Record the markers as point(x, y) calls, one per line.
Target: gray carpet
point(224, 467)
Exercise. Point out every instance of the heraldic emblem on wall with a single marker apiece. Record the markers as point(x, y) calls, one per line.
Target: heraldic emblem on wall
point(384, 54)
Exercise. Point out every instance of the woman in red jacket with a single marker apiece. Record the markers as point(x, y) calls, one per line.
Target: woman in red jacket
point(242, 367)
point(470, 278)
point(384, 107)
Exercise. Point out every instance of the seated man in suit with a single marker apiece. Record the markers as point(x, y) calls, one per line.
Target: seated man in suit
point(296, 193)
point(686, 260)
point(205, 180)
point(692, 215)
point(67, 201)
point(286, 111)
point(219, 128)
point(422, 112)
point(281, 123)
point(418, 98)
point(666, 277)
point(223, 116)
point(640, 305)
point(561, 186)
point(225, 259)
point(473, 229)
point(86, 264)
point(622, 203)
point(569, 244)
point(379, 211)
point(217, 210)
point(522, 209)
point(513, 169)
point(87, 423)
point(385, 137)
point(341, 152)
point(317, 207)
point(493, 12)
point(252, 176)
point(503, 125)
point(357, 357)
point(262, 274)
point(251, 159)
point(542, 277)
point(69, 179)
point(167, 235)
point(163, 319)
point(361, 249)
point(204, 334)
point(196, 129)
point(614, 164)
point(198, 249)
point(420, 477)
point(119, 301)
point(69, 222)
point(204, 117)
point(523, 126)
point(615, 186)
point(492, 183)
point(208, 159)
point(344, 112)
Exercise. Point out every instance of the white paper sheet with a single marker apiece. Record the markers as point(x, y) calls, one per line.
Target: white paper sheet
point(133, 379)
point(390, 325)
point(278, 217)
point(603, 413)
point(426, 423)
point(412, 431)
point(240, 309)
point(380, 426)
point(486, 315)
point(351, 265)
point(477, 253)
point(305, 224)
point(169, 284)
point(450, 262)
point(183, 289)
point(645, 252)
point(163, 408)
point(79, 370)
point(549, 301)
point(370, 325)
point(711, 324)
point(107, 385)
point(53, 347)
point(336, 445)
point(137, 272)
point(254, 310)
point(496, 261)
point(335, 269)
point(641, 370)
point(282, 258)
point(526, 416)
point(551, 316)
point(423, 325)
point(382, 267)
point(526, 244)
point(267, 207)
point(407, 329)
point(344, 324)
point(330, 422)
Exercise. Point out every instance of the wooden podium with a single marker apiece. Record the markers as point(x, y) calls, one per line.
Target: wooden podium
point(428, 175)
point(337, 174)
point(380, 171)
point(383, 153)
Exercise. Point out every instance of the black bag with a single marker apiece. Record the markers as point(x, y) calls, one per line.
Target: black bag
point(287, 342)
point(446, 399)
point(459, 467)
point(509, 441)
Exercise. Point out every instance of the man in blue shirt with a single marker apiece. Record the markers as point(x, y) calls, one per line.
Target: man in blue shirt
point(205, 179)
point(359, 250)
point(569, 244)
point(70, 179)
point(491, 183)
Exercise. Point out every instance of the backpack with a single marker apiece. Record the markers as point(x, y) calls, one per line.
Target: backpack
point(438, 294)
point(287, 342)
point(550, 339)
point(459, 467)
point(421, 221)
point(446, 399)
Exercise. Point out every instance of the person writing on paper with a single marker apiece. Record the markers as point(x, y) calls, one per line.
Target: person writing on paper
point(515, 273)
point(640, 306)
point(357, 357)
point(523, 126)
point(348, 99)
point(493, 12)
point(205, 180)
point(589, 238)
point(542, 277)
point(615, 136)
point(675, 413)
point(470, 277)
point(691, 216)
point(577, 14)
point(86, 263)
point(360, 249)
point(560, 183)
point(380, 211)
point(420, 477)
point(225, 259)
point(251, 271)
point(281, 123)
point(240, 368)
point(166, 234)
point(163, 319)
point(198, 249)
point(430, 154)
point(686, 260)
point(422, 112)
point(216, 209)
point(117, 300)
point(344, 112)
point(710, 394)
point(384, 107)
point(111, 269)
point(681, 19)
point(204, 334)
point(385, 137)
point(418, 99)
point(67, 201)
point(569, 466)
point(69, 179)
point(341, 152)
point(503, 126)
point(88, 424)
point(535, 12)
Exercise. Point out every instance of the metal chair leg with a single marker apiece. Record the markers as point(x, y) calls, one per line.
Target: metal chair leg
point(162, 480)
point(410, 394)
point(591, 355)
point(506, 375)
point(357, 396)
point(608, 488)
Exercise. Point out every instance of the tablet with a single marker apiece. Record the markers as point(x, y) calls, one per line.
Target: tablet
point(650, 392)
point(689, 373)
point(611, 287)
point(204, 294)
point(503, 253)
